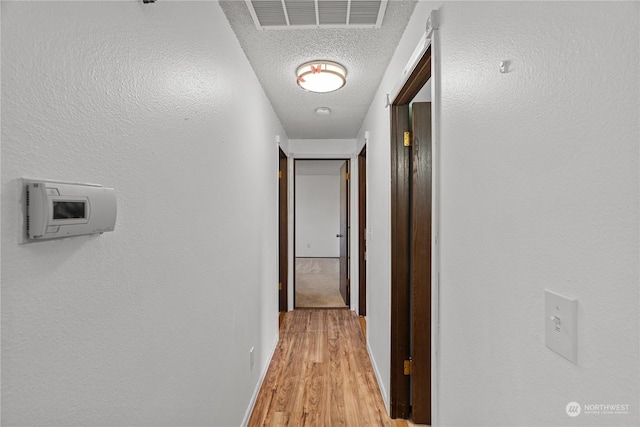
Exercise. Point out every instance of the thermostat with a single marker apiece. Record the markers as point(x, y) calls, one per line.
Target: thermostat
point(57, 209)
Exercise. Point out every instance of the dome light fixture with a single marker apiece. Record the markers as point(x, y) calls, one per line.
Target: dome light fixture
point(321, 76)
point(323, 111)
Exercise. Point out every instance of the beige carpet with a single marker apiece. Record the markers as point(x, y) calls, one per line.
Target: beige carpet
point(317, 283)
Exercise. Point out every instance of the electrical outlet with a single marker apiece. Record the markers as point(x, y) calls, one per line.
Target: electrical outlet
point(251, 358)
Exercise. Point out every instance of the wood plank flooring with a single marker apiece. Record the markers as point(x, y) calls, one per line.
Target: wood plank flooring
point(320, 375)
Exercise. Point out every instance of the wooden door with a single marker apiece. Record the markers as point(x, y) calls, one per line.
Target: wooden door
point(283, 237)
point(400, 387)
point(343, 235)
point(421, 263)
point(362, 232)
point(404, 303)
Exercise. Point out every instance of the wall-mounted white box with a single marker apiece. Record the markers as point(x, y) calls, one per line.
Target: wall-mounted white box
point(54, 210)
point(561, 325)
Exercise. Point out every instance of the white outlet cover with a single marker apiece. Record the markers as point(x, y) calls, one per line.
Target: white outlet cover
point(561, 325)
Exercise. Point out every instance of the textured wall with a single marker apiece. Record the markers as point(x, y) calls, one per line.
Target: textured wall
point(317, 216)
point(151, 324)
point(539, 189)
point(322, 148)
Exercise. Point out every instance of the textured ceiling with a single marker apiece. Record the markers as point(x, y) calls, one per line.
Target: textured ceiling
point(275, 55)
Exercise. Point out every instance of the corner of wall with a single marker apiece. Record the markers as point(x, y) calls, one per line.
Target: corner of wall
point(256, 391)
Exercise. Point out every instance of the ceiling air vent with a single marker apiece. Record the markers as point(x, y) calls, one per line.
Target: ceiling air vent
point(295, 14)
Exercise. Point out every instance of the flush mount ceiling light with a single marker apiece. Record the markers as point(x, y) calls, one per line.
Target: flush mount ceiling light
point(323, 111)
point(321, 76)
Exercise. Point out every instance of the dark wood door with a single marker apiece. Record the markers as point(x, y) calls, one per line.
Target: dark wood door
point(421, 265)
point(403, 245)
point(400, 387)
point(343, 235)
point(362, 232)
point(283, 237)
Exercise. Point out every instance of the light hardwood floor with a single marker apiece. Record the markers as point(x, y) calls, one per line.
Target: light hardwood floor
point(320, 375)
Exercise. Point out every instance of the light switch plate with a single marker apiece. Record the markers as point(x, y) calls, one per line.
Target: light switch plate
point(561, 325)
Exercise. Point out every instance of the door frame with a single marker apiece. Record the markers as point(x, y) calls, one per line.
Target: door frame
point(283, 232)
point(293, 198)
point(400, 226)
point(362, 231)
point(401, 175)
point(345, 214)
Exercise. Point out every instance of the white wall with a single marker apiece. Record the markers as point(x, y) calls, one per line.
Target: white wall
point(317, 216)
point(321, 148)
point(539, 189)
point(150, 324)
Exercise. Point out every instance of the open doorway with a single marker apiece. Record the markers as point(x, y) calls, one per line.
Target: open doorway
point(362, 232)
point(411, 246)
point(283, 232)
point(321, 230)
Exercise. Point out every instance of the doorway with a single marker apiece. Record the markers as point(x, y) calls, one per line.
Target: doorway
point(411, 258)
point(283, 232)
point(362, 232)
point(321, 233)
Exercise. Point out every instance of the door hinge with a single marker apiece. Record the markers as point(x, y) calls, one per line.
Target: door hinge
point(347, 176)
point(279, 174)
point(280, 286)
point(407, 139)
point(408, 367)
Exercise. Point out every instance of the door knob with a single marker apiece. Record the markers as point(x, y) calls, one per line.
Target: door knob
point(338, 235)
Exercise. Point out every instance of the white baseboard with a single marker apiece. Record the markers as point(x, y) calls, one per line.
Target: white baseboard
point(383, 391)
point(263, 374)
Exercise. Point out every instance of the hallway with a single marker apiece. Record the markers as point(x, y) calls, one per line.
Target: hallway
point(172, 318)
point(320, 375)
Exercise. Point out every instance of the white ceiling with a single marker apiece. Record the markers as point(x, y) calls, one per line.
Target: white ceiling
point(275, 54)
